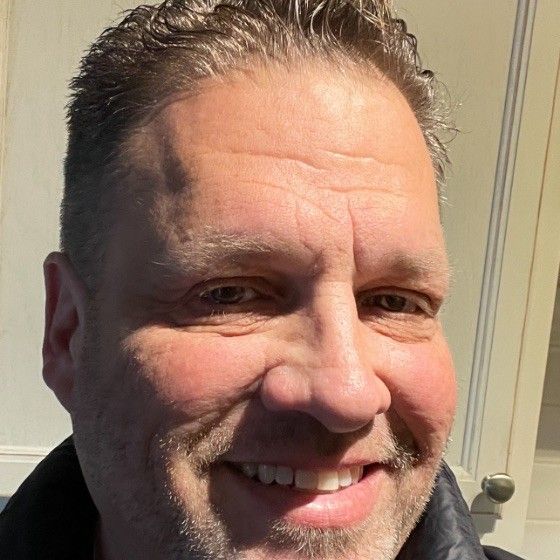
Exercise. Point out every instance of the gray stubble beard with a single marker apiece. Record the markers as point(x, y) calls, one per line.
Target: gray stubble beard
point(205, 536)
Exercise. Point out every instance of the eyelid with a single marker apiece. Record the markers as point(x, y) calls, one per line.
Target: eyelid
point(426, 304)
point(221, 284)
point(259, 285)
point(205, 295)
point(238, 281)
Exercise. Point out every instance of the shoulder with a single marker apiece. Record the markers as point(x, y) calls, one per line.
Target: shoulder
point(51, 511)
point(493, 553)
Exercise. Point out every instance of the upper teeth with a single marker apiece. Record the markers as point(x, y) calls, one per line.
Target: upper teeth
point(322, 480)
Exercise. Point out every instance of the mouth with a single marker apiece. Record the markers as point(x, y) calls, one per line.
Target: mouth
point(335, 497)
point(320, 481)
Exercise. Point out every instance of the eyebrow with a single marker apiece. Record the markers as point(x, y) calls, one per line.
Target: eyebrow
point(202, 254)
point(428, 263)
point(429, 266)
point(210, 250)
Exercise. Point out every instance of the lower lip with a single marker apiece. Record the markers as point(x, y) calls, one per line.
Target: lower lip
point(343, 508)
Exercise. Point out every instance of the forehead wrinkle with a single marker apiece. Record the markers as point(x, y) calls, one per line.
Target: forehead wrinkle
point(317, 160)
point(296, 158)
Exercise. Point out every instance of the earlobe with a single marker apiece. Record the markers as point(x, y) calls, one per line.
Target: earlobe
point(65, 306)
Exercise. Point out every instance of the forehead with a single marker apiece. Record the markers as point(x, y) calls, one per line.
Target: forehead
point(279, 143)
point(316, 114)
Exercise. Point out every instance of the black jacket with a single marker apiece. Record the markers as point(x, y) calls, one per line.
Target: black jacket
point(52, 517)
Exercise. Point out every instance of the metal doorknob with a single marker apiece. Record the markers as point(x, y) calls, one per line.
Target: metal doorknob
point(499, 487)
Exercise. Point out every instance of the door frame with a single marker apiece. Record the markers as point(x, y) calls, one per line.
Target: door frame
point(538, 320)
point(529, 274)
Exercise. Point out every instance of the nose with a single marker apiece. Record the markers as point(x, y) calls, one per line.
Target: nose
point(332, 372)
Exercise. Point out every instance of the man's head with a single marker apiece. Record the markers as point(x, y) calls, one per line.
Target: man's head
point(159, 53)
point(265, 308)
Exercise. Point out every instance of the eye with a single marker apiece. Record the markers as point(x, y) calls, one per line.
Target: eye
point(395, 303)
point(228, 295)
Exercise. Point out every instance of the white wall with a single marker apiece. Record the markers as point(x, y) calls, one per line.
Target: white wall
point(38, 55)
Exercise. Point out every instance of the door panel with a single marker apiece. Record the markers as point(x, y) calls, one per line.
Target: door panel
point(500, 67)
point(477, 84)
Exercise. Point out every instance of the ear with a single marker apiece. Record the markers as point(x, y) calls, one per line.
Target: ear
point(65, 307)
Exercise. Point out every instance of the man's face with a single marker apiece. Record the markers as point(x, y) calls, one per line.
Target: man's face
point(269, 312)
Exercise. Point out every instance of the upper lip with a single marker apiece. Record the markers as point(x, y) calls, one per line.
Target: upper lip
point(307, 463)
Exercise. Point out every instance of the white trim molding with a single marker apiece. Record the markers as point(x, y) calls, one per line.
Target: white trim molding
point(22, 454)
point(503, 184)
point(16, 463)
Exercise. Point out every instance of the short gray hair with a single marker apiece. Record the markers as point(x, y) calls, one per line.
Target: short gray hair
point(159, 51)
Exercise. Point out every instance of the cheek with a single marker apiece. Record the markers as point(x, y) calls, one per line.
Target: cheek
point(197, 374)
point(422, 384)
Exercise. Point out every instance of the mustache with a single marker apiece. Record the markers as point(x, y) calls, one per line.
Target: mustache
point(396, 449)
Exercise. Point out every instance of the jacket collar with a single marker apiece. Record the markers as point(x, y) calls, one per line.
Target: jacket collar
point(445, 530)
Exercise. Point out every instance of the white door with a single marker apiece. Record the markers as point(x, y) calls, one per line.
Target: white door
point(499, 60)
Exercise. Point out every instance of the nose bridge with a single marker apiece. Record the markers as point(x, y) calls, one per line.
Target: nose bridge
point(334, 378)
point(345, 391)
point(337, 349)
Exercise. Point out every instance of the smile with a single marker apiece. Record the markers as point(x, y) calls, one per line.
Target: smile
point(319, 496)
point(321, 480)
